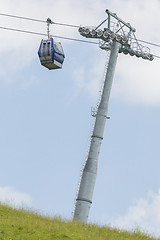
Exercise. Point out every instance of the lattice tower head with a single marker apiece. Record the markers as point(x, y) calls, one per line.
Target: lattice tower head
point(120, 31)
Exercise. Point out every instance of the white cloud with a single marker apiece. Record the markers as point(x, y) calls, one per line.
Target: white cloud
point(14, 198)
point(90, 80)
point(137, 81)
point(144, 215)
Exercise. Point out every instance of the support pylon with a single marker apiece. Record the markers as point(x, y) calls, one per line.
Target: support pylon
point(84, 198)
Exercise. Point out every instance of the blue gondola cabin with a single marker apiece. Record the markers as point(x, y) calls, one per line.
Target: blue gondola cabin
point(51, 54)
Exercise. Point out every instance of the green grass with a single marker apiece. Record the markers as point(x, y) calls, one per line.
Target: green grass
point(25, 225)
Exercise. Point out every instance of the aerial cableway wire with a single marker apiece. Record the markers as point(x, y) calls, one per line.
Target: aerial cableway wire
point(62, 24)
point(38, 20)
point(43, 34)
point(23, 31)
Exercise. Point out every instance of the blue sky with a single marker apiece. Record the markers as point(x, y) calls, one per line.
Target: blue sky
point(45, 119)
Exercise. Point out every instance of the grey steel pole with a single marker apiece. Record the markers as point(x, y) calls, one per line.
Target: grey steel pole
point(84, 198)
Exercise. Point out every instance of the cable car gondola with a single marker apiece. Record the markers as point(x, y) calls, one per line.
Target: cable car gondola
point(51, 54)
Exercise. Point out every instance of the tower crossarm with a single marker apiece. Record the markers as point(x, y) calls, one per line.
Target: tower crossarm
point(114, 15)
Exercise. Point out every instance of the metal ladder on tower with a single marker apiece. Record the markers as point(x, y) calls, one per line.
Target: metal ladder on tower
point(94, 109)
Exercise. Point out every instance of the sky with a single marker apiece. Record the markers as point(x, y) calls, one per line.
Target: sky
point(46, 120)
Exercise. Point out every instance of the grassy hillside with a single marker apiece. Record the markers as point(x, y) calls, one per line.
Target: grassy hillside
point(24, 225)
